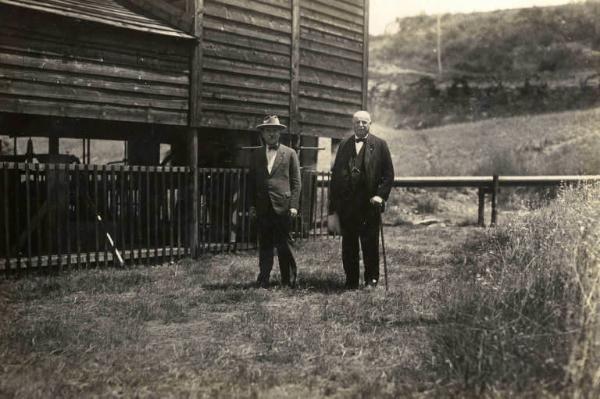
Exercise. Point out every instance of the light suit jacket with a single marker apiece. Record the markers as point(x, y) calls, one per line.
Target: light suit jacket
point(281, 187)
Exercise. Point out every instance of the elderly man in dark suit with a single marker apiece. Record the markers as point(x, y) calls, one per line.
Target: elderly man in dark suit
point(362, 177)
point(274, 195)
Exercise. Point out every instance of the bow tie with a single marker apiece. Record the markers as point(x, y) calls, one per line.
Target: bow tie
point(360, 139)
point(273, 147)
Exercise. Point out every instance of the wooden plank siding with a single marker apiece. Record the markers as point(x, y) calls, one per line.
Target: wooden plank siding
point(248, 70)
point(331, 65)
point(246, 62)
point(304, 60)
point(57, 66)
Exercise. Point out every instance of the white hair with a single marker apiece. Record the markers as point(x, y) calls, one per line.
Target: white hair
point(362, 113)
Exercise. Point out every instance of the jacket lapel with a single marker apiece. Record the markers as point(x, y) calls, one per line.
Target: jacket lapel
point(278, 159)
point(368, 148)
point(347, 152)
point(262, 160)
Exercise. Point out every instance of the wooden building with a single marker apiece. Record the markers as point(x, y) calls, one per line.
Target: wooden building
point(197, 74)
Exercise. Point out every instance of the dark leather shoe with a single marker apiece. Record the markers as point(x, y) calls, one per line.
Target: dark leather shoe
point(262, 284)
point(371, 283)
point(350, 286)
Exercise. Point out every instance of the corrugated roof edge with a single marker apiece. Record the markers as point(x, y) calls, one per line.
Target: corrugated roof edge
point(144, 23)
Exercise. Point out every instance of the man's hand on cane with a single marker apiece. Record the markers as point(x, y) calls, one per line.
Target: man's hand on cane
point(376, 201)
point(293, 212)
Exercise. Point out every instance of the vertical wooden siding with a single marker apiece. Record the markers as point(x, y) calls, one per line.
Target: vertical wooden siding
point(331, 65)
point(57, 66)
point(51, 65)
point(246, 62)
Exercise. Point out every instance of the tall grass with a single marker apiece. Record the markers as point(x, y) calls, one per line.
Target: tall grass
point(524, 306)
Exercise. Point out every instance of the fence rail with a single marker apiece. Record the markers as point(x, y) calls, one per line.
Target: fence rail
point(486, 185)
point(55, 216)
point(490, 185)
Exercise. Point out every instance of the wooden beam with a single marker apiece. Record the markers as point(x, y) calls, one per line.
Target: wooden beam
point(295, 73)
point(53, 146)
point(365, 77)
point(196, 64)
point(167, 12)
point(195, 117)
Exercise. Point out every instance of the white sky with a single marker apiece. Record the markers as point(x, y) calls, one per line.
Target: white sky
point(383, 12)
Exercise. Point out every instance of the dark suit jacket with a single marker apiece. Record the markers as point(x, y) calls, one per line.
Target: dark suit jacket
point(281, 187)
point(379, 171)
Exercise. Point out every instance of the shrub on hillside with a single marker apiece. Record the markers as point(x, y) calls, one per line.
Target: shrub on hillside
point(428, 203)
point(524, 310)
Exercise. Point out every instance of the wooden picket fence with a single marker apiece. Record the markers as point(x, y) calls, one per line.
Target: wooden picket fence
point(55, 216)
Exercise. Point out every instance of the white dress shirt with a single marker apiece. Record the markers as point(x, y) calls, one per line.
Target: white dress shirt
point(358, 145)
point(271, 155)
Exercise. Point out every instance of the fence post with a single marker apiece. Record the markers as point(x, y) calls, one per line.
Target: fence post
point(195, 192)
point(495, 186)
point(481, 207)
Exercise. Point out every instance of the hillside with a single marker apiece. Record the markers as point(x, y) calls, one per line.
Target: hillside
point(499, 63)
point(561, 143)
point(505, 42)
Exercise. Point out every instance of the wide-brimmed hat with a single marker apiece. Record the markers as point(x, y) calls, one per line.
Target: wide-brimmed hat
point(271, 120)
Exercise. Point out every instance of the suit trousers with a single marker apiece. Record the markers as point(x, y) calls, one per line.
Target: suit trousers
point(363, 229)
point(274, 232)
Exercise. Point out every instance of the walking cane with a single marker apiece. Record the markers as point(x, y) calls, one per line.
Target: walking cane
point(383, 250)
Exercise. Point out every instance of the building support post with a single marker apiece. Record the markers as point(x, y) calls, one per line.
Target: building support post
point(53, 146)
point(294, 127)
point(197, 9)
point(365, 71)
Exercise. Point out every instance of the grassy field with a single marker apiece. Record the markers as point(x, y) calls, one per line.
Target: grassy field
point(504, 312)
point(200, 329)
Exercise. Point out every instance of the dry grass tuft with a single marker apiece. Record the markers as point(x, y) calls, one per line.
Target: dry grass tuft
point(524, 305)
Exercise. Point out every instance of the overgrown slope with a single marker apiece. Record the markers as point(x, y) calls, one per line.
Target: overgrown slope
point(495, 64)
point(506, 42)
point(560, 143)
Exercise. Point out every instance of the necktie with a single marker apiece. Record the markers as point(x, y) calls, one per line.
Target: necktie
point(360, 139)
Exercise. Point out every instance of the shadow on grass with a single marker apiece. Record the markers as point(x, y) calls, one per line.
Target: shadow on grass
point(322, 284)
point(246, 285)
point(326, 285)
point(420, 321)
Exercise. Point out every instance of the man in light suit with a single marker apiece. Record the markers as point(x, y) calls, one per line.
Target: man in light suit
point(274, 196)
point(362, 177)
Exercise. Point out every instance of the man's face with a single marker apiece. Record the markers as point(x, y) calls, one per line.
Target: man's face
point(270, 134)
point(362, 123)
